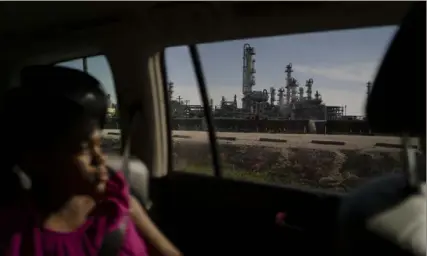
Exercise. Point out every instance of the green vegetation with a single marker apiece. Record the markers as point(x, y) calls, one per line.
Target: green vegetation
point(230, 173)
point(320, 168)
point(262, 177)
point(332, 169)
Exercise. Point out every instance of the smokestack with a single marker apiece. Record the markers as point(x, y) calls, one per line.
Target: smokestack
point(272, 96)
point(281, 97)
point(294, 86)
point(317, 95)
point(85, 68)
point(309, 85)
point(170, 90)
point(368, 88)
point(301, 93)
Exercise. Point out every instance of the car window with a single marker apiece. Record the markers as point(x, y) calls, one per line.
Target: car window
point(98, 67)
point(288, 110)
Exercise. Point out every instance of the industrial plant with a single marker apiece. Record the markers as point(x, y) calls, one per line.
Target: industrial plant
point(293, 101)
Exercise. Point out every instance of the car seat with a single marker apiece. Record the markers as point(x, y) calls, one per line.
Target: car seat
point(387, 216)
point(138, 178)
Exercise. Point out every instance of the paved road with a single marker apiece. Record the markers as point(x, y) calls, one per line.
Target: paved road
point(292, 140)
point(298, 140)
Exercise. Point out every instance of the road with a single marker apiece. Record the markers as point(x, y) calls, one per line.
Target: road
point(292, 140)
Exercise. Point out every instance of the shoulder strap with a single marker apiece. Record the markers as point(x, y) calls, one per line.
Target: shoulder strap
point(127, 145)
point(113, 241)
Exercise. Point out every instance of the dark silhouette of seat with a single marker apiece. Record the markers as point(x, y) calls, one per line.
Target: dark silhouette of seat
point(393, 97)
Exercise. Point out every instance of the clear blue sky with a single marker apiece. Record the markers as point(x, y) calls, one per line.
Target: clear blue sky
point(339, 62)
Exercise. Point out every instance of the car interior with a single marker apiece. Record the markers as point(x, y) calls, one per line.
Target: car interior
point(203, 215)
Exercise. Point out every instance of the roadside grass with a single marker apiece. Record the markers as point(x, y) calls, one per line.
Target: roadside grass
point(229, 172)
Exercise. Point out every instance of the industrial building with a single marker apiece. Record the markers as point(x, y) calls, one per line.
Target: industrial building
point(291, 101)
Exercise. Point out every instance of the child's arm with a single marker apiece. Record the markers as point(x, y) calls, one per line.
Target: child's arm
point(155, 239)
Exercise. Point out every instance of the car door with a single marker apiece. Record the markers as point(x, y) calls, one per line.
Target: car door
point(210, 216)
point(279, 192)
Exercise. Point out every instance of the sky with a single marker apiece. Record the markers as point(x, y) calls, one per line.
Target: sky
point(339, 62)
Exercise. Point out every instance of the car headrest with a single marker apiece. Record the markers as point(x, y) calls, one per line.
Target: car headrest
point(138, 178)
point(383, 217)
point(397, 101)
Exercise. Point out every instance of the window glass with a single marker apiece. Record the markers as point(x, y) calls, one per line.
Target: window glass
point(98, 67)
point(295, 116)
point(191, 152)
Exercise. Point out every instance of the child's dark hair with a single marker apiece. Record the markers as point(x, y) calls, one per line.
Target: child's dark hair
point(50, 99)
point(42, 110)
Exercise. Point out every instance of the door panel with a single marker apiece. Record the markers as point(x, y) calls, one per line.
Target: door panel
point(208, 216)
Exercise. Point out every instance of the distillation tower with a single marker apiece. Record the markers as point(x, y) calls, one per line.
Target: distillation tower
point(248, 76)
point(289, 79)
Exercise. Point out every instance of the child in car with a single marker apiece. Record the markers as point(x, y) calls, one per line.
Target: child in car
point(54, 121)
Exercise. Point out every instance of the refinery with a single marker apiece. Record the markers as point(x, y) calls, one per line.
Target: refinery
point(292, 101)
